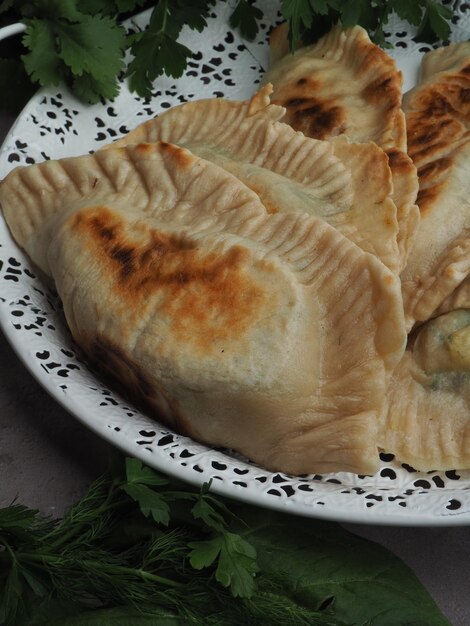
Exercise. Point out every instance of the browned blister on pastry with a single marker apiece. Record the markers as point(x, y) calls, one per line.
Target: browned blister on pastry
point(345, 84)
point(438, 119)
point(271, 334)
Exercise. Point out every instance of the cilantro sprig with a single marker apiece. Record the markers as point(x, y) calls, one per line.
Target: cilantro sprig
point(310, 19)
point(83, 43)
point(140, 548)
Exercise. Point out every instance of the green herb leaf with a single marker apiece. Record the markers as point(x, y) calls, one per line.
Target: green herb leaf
point(245, 17)
point(236, 561)
point(81, 43)
point(434, 24)
point(204, 511)
point(310, 19)
point(109, 7)
point(412, 12)
point(315, 561)
point(352, 12)
point(174, 56)
point(162, 55)
point(321, 7)
point(91, 90)
point(438, 18)
point(237, 565)
point(206, 507)
point(192, 14)
point(83, 50)
point(42, 62)
point(51, 10)
point(299, 15)
point(95, 46)
point(88, 569)
point(95, 7)
point(151, 503)
point(139, 474)
point(157, 51)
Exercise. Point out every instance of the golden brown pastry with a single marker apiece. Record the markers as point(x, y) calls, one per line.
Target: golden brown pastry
point(271, 334)
point(348, 185)
point(438, 118)
point(151, 179)
point(427, 424)
point(346, 85)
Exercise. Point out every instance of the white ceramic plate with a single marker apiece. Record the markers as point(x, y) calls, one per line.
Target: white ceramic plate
point(54, 124)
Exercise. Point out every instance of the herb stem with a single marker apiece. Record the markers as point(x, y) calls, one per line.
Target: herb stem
point(161, 580)
point(92, 565)
point(165, 16)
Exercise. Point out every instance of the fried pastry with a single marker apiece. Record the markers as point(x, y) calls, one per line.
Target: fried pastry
point(438, 119)
point(271, 334)
point(346, 85)
point(288, 171)
point(427, 424)
point(155, 180)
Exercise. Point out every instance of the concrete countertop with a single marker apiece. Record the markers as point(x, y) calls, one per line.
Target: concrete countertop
point(47, 459)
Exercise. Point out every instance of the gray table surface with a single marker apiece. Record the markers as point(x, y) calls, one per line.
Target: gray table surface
point(47, 459)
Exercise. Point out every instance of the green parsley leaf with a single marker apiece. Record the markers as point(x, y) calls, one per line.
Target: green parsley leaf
point(174, 57)
point(155, 54)
point(42, 62)
point(299, 15)
point(322, 6)
point(438, 18)
point(192, 14)
point(91, 90)
point(205, 509)
point(352, 11)
point(236, 561)
point(138, 473)
point(434, 24)
point(245, 17)
point(157, 51)
point(95, 7)
point(94, 45)
point(109, 7)
point(204, 553)
point(411, 12)
point(150, 503)
point(237, 565)
point(52, 10)
point(149, 62)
